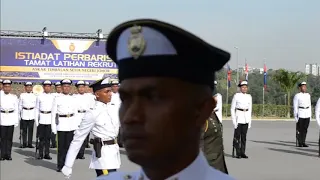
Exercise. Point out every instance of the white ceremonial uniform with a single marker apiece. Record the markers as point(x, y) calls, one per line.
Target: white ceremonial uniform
point(1, 91)
point(198, 169)
point(9, 110)
point(218, 108)
point(317, 112)
point(64, 105)
point(56, 94)
point(27, 104)
point(102, 122)
point(241, 109)
point(115, 98)
point(84, 102)
point(302, 106)
point(43, 108)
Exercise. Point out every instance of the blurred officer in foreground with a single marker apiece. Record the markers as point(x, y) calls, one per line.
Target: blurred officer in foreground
point(63, 120)
point(103, 122)
point(43, 119)
point(85, 103)
point(241, 110)
point(58, 90)
point(211, 139)
point(166, 93)
point(302, 113)
point(27, 104)
point(8, 120)
point(1, 85)
point(317, 114)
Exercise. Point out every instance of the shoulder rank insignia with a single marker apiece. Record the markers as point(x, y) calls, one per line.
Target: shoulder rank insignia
point(136, 42)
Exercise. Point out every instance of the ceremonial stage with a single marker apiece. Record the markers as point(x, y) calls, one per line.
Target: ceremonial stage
point(270, 147)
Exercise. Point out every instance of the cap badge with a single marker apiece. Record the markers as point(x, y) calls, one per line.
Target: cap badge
point(136, 43)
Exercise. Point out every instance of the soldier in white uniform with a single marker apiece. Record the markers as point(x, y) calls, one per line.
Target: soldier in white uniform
point(241, 111)
point(317, 114)
point(88, 91)
point(218, 108)
point(85, 103)
point(8, 120)
point(58, 90)
point(43, 119)
point(103, 122)
point(166, 98)
point(63, 120)
point(27, 104)
point(302, 113)
point(115, 99)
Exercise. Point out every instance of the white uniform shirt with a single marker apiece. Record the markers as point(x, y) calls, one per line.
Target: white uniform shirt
point(64, 105)
point(244, 102)
point(317, 112)
point(56, 94)
point(103, 123)
point(9, 102)
point(115, 98)
point(198, 169)
point(84, 102)
point(302, 105)
point(43, 108)
point(218, 108)
point(27, 100)
point(1, 91)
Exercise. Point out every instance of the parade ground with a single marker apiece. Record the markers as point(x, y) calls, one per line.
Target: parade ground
point(270, 147)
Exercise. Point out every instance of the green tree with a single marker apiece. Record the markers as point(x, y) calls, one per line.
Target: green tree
point(287, 81)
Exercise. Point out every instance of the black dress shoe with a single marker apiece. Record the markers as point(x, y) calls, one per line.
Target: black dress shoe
point(304, 145)
point(47, 157)
point(9, 158)
point(87, 146)
point(23, 146)
point(244, 156)
point(53, 146)
point(238, 156)
point(81, 157)
point(40, 157)
point(30, 146)
point(2, 159)
point(58, 170)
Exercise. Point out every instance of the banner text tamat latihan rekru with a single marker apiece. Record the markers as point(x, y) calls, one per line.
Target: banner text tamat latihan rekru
point(65, 60)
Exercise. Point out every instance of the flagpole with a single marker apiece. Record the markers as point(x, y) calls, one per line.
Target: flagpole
point(263, 102)
point(227, 97)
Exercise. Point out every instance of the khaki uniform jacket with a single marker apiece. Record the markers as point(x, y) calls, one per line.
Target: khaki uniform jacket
point(211, 143)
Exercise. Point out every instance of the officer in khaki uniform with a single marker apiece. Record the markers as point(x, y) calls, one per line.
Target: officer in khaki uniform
point(9, 119)
point(212, 141)
point(103, 122)
point(27, 104)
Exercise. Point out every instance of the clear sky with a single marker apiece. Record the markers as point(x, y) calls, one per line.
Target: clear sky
point(286, 33)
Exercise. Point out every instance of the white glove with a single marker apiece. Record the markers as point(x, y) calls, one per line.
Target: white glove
point(249, 125)
point(16, 125)
point(235, 126)
point(66, 171)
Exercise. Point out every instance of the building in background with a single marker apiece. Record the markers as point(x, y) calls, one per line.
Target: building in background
point(313, 69)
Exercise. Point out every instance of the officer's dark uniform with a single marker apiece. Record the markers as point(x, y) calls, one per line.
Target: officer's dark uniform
point(212, 143)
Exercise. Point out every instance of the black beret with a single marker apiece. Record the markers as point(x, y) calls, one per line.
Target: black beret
point(100, 84)
point(66, 81)
point(28, 84)
point(46, 82)
point(147, 47)
point(6, 81)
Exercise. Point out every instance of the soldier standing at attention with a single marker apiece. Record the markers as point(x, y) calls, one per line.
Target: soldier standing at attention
point(57, 86)
point(211, 139)
point(84, 103)
point(103, 122)
point(88, 91)
point(63, 120)
point(317, 114)
point(241, 110)
point(166, 97)
point(218, 108)
point(8, 120)
point(43, 119)
point(27, 104)
point(302, 113)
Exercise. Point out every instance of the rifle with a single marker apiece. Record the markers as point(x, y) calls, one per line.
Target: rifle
point(37, 143)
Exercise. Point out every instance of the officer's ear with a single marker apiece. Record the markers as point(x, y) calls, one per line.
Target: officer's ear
point(96, 94)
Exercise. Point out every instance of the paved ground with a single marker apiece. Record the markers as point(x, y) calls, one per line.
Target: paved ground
point(271, 150)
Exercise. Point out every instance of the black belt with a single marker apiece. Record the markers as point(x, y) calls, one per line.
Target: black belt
point(66, 115)
point(242, 109)
point(28, 108)
point(109, 142)
point(82, 111)
point(45, 112)
point(303, 107)
point(6, 111)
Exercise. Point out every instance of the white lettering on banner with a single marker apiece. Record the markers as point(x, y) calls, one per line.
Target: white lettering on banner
point(102, 64)
point(37, 63)
point(69, 63)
